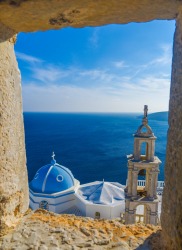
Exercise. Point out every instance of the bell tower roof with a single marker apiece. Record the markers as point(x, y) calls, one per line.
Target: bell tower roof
point(144, 130)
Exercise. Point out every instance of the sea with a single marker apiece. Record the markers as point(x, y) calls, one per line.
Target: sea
point(94, 146)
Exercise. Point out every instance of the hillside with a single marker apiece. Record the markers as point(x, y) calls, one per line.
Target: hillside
point(159, 116)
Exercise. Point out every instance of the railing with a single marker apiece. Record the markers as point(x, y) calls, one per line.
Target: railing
point(141, 183)
point(160, 184)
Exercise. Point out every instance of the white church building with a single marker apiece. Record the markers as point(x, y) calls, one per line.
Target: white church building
point(54, 187)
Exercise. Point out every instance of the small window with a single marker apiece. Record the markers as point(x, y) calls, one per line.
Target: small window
point(59, 178)
point(97, 215)
point(144, 130)
point(44, 205)
point(122, 215)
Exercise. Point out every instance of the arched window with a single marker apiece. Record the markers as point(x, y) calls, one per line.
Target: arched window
point(97, 215)
point(142, 183)
point(142, 214)
point(139, 215)
point(122, 216)
point(44, 205)
point(144, 130)
point(144, 150)
point(142, 175)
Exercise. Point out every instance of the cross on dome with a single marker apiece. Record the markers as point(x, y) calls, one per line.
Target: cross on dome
point(53, 155)
point(53, 159)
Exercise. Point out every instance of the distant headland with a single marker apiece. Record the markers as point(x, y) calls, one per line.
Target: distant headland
point(159, 116)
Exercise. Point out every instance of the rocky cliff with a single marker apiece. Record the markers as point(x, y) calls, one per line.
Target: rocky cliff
point(43, 230)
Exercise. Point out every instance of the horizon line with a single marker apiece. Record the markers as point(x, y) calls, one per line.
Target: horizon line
point(91, 112)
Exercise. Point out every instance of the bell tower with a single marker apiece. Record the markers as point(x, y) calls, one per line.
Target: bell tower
point(141, 194)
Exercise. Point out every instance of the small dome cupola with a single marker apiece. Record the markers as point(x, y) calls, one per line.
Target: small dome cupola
point(144, 130)
point(52, 178)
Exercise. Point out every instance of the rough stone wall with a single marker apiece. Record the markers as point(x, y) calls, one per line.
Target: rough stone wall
point(172, 198)
point(43, 230)
point(32, 15)
point(13, 174)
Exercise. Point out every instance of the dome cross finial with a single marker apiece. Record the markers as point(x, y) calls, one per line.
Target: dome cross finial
point(145, 111)
point(53, 159)
point(53, 155)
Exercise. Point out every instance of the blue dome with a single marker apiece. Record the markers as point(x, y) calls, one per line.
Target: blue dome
point(52, 178)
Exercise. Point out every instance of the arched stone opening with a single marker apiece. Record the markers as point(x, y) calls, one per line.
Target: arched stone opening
point(141, 211)
point(44, 15)
point(142, 182)
point(144, 129)
point(142, 214)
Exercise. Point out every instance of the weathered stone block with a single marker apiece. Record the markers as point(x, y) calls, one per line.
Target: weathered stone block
point(13, 174)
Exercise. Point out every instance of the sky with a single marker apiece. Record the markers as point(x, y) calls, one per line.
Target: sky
point(112, 68)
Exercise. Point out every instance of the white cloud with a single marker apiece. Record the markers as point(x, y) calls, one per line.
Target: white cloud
point(151, 87)
point(101, 90)
point(120, 64)
point(94, 39)
point(159, 63)
point(99, 76)
point(49, 73)
point(28, 58)
point(127, 97)
point(166, 56)
point(155, 84)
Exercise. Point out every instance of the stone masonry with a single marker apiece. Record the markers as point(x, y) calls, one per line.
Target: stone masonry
point(137, 162)
point(33, 15)
point(172, 198)
point(13, 173)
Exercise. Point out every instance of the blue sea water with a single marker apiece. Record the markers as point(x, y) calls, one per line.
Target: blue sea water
point(92, 146)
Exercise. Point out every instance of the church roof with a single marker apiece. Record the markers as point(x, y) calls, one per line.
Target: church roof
point(105, 193)
point(52, 178)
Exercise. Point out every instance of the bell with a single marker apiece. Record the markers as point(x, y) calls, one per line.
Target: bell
point(142, 172)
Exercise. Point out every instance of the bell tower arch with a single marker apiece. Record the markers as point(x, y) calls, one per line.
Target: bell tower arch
point(147, 164)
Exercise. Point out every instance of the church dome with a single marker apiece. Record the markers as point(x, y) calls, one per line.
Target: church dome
point(52, 178)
